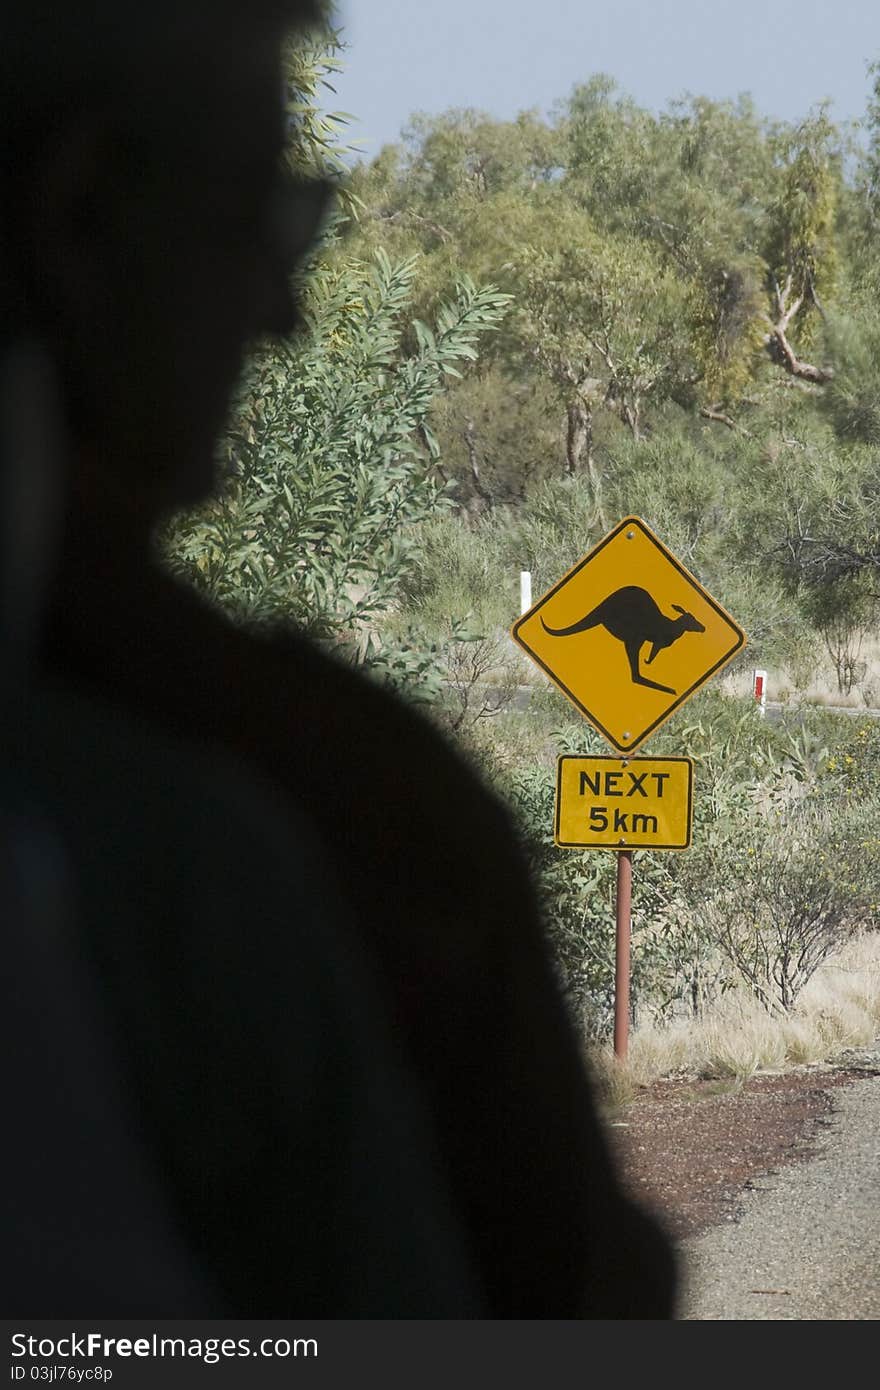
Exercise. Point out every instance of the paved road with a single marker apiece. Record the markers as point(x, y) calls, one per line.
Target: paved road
point(775, 712)
point(808, 1244)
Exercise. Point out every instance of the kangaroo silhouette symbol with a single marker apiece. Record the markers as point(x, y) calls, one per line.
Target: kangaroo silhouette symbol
point(631, 615)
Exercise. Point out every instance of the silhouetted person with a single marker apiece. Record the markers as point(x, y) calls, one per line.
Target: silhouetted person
point(210, 1117)
point(144, 198)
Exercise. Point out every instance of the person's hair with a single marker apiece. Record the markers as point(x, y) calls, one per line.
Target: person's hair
point(151, 63)
point(55, 56)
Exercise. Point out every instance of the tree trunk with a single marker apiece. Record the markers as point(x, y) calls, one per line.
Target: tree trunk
point(631, 418)
point(784, 355)
point(579, 447)
point(470, 439)
point(776, 341)
point(579, 437)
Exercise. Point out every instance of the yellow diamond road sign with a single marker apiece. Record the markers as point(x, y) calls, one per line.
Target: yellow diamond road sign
point(623, 803)
point(628, 634)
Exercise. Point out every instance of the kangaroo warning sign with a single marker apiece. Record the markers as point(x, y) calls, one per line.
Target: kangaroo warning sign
point(623, 803)
point(628, 634)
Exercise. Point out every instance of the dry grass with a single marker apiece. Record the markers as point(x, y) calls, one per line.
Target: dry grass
point(822, 689)
point(839, 1008)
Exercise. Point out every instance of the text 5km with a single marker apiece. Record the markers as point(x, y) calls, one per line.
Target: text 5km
point(624, 823)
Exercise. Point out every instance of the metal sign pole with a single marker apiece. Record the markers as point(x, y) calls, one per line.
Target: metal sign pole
point(621, 968)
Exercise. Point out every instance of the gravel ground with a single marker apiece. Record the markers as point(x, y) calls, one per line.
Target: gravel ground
point(805, 1244)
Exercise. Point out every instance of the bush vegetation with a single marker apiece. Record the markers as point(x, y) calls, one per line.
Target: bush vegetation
point(517, 333)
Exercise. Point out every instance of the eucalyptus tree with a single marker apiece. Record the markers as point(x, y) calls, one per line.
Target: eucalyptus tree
point(688, 256)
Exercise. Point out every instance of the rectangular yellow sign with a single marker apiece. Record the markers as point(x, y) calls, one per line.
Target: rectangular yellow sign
point(623, 803)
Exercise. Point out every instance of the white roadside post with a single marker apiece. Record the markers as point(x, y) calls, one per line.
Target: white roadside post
point(760, 691)
point(525, 591)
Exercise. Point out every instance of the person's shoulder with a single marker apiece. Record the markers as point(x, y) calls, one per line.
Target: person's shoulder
point(390, 741)
point(248, 1017)
point(387, 788)
point(342, 711)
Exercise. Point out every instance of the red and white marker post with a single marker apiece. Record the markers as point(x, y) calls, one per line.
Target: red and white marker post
point(760, 691)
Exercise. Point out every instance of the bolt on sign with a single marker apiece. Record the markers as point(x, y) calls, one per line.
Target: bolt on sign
point(623, 803)
point(628, 634)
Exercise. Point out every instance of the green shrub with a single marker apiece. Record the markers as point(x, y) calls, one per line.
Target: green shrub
point(782, 870)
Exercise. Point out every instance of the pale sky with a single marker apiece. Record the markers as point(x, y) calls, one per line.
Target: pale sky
point(504, 56)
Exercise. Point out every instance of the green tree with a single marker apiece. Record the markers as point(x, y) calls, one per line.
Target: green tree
point(687, 256)
point(331, 455)
point(800, 246)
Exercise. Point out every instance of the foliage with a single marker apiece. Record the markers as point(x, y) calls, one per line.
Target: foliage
point(689, 256)
point(783, 868)
point(844, 613)
point(518, 332)
point(691, 338)
point(315, 144)
point(799, 248)
point(331, 454)
point(851, 769)
point(783, 901)
point(852, 398)
point(481, 678)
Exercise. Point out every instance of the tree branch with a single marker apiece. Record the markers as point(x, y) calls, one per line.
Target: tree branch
point(714, 412)
point(407, 215)
point(776, 340)
point(470, 440)
point(784, 355)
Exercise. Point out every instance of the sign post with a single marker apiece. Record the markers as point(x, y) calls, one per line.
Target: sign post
point(623, 915)
point(628, 635)
point(608, 803)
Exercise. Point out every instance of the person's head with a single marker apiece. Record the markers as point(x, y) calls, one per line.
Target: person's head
point(142, 216)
